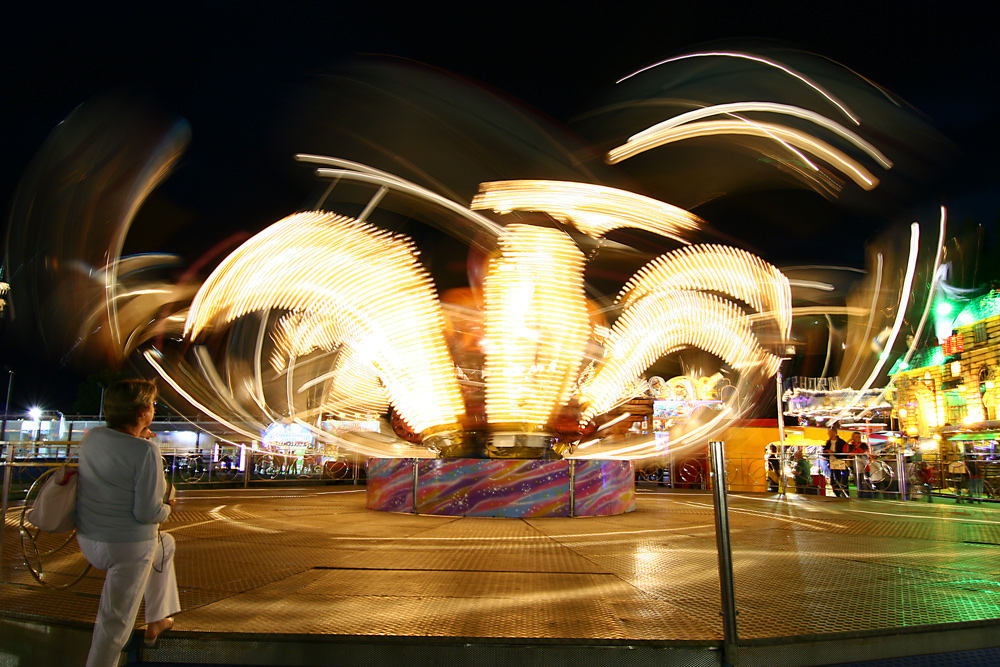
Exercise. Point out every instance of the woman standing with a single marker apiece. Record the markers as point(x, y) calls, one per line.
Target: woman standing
point(120, 504)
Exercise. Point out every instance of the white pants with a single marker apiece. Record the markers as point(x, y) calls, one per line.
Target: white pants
point(134, 569)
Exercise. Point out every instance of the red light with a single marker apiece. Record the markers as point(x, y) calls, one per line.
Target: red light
point(952, 345)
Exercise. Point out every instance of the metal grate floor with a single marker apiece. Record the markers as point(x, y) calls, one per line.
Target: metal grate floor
point(314, 561)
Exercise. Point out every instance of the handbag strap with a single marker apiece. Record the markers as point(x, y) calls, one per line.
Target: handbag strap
point(68, 473)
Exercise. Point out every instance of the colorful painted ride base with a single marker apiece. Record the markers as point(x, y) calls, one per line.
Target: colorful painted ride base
point(501, 487)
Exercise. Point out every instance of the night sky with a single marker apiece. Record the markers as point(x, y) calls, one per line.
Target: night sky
point(232, 70)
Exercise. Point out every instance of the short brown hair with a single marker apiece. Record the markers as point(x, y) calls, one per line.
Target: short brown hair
point(125, 399)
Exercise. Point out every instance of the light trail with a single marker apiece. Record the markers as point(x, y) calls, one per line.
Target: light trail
point(770, 63)
point(593, 209)
point(785, 135)
point(769, 107)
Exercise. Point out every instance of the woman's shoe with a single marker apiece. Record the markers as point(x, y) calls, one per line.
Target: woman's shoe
point(155, 629)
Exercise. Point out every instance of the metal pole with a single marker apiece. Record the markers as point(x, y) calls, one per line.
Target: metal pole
point(782, 478)
point(783, 483)
point(718, 457)
point(7, 469)
point(415, 465)
point(6, 407)
point(670, 458)
point(901, 475)
point(572, 486)
point(247, 465)
point(781, 412)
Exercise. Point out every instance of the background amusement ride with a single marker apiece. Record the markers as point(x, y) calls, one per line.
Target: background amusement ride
point(485, 286)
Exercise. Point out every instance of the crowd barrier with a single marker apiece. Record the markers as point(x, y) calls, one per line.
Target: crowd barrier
point(23, 462)
point(890, 476)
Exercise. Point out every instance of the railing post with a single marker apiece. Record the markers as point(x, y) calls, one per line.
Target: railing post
point(718, 471)
point(859, 481)
point(783, 483)
point(572, 486)
point(247, 465)
point(8, 466)
point(901, 475)
point(415, 472)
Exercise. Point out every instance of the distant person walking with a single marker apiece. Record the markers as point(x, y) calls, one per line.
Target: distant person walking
point(975, 470)
point(803, 474)
point(837, 453)
point(120, 504)
point(861, 459)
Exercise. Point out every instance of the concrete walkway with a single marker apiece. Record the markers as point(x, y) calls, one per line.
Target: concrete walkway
point(312, 566)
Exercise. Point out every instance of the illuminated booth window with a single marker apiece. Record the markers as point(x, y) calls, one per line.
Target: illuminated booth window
point(979, 331)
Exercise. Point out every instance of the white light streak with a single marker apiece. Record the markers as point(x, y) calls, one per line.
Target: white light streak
point(715, 268)
point(811, 284)
point(593, 209)
point(664, 322)
point(624, 415)
point(321, 264)
point(906, 292)
point(786, 135)
point(938, 257)
point(770, 63)
point(537, 325)
point(767, 107)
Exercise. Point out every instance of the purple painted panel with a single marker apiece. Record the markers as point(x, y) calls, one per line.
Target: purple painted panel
point(520, 489)
point(390, 485)
point(443, 485)
point(499, 487)
point(603, 488)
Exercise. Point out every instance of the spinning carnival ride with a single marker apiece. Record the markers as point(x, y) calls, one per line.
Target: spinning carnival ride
point(493, 398)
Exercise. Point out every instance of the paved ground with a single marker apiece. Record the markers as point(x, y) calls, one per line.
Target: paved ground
point(315, 561)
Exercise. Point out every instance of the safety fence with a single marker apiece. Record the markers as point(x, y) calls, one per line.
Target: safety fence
point(24, 462)
point(894, 475)
point(764, 591)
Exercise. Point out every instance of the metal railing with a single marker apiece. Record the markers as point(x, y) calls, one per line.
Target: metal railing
point(895, 475)
point(890, 476)
point(23, 462)
point(255, 467)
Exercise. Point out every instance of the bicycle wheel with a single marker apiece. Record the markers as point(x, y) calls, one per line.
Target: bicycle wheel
point(225, 470)
point(38, 545)
point(336, 469)
point(689, 472)
point(267, 467)
point(881, 475)
point(190, 468)
point(756, 472)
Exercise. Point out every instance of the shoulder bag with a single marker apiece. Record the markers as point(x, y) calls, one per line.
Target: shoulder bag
point(54, 509)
